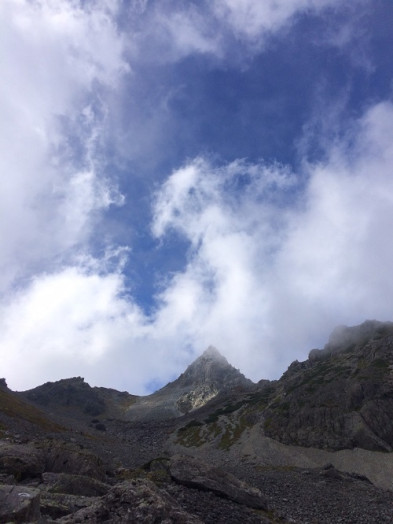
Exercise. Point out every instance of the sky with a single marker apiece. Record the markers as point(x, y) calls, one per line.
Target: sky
point(179, 174)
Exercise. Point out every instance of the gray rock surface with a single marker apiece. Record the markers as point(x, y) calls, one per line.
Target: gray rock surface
point(341, 397)
point(195, 473)
point(67, 457)
point(19, 504)
point(74, 484)
point(22, 461)
point(56, 505)
point(133, 501)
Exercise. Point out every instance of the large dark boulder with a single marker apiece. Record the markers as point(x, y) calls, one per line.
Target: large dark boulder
point(66, 457)
point(137, 500)
point(19, 504)
point(195, 473)
point(22, 461)
point(74, 484)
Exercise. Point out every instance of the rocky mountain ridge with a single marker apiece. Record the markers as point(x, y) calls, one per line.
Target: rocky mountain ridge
point(342, 396)
point(210, 446)
point(208, 376)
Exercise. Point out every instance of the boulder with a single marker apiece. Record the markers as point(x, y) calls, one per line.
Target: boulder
point(57, 505)
point(138, 500)
point(19, 504)
point(74, 484)
point(65, 457)
point(197, 474)
point(20, 460)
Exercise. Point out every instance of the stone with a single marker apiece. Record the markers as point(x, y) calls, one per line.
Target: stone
point(137, 500)
point(57, 505)
point(195, 473)
point(19, 504)
point(23, 461)
point(65, 457)
point(74, 484)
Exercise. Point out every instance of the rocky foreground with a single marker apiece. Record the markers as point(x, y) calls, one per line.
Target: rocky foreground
point(313, 447)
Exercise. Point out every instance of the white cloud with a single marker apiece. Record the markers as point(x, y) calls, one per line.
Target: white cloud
point(56, 55)
point(252, 20)
point(265, 279)
point(178, 29)
point(65, 324)
point(265, 291)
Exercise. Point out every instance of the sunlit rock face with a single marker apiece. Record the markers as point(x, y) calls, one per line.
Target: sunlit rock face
point(209, 375)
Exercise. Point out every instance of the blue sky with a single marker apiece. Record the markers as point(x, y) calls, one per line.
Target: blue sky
point(182, 174)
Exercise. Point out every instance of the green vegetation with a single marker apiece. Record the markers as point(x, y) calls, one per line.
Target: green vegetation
point(195, 433)
point(226, 410)
point(233, 433)
point(189, 435)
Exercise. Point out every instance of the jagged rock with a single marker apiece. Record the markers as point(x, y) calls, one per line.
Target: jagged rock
point(57, 505)
point(74, 484)
point(342, 396)
point(195, 473)
point(133, 501)
point(23, 461)
point(70, 392)
point(65, 457)
point(19, 504)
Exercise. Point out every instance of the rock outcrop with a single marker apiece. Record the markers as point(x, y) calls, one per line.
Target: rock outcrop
point(342, 396)
point(19, 504)
point(20, 461)
point(197, 474)
point(74, 398)
point(133, 501)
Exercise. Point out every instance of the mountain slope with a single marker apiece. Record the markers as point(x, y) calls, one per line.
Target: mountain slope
point(208, 376)
point(304, 445)
point(74, 399)
point(17, 412)
point(342, 396)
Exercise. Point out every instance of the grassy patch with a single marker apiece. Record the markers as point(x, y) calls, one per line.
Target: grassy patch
point(232, 433)
point(190, 436)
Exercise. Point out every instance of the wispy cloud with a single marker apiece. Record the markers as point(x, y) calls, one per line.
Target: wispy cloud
point(266, 282)
point(60, 59)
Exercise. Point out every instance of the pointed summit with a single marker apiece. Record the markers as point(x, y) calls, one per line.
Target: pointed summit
point(209, 375)
point(211, 370)
point(212, 352)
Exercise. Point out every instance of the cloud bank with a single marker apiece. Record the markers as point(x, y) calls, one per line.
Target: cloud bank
point(276, 256)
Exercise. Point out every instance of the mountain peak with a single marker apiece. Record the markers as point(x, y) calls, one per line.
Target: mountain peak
point(213, 353)
point(212, 368)
point(206, 377)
